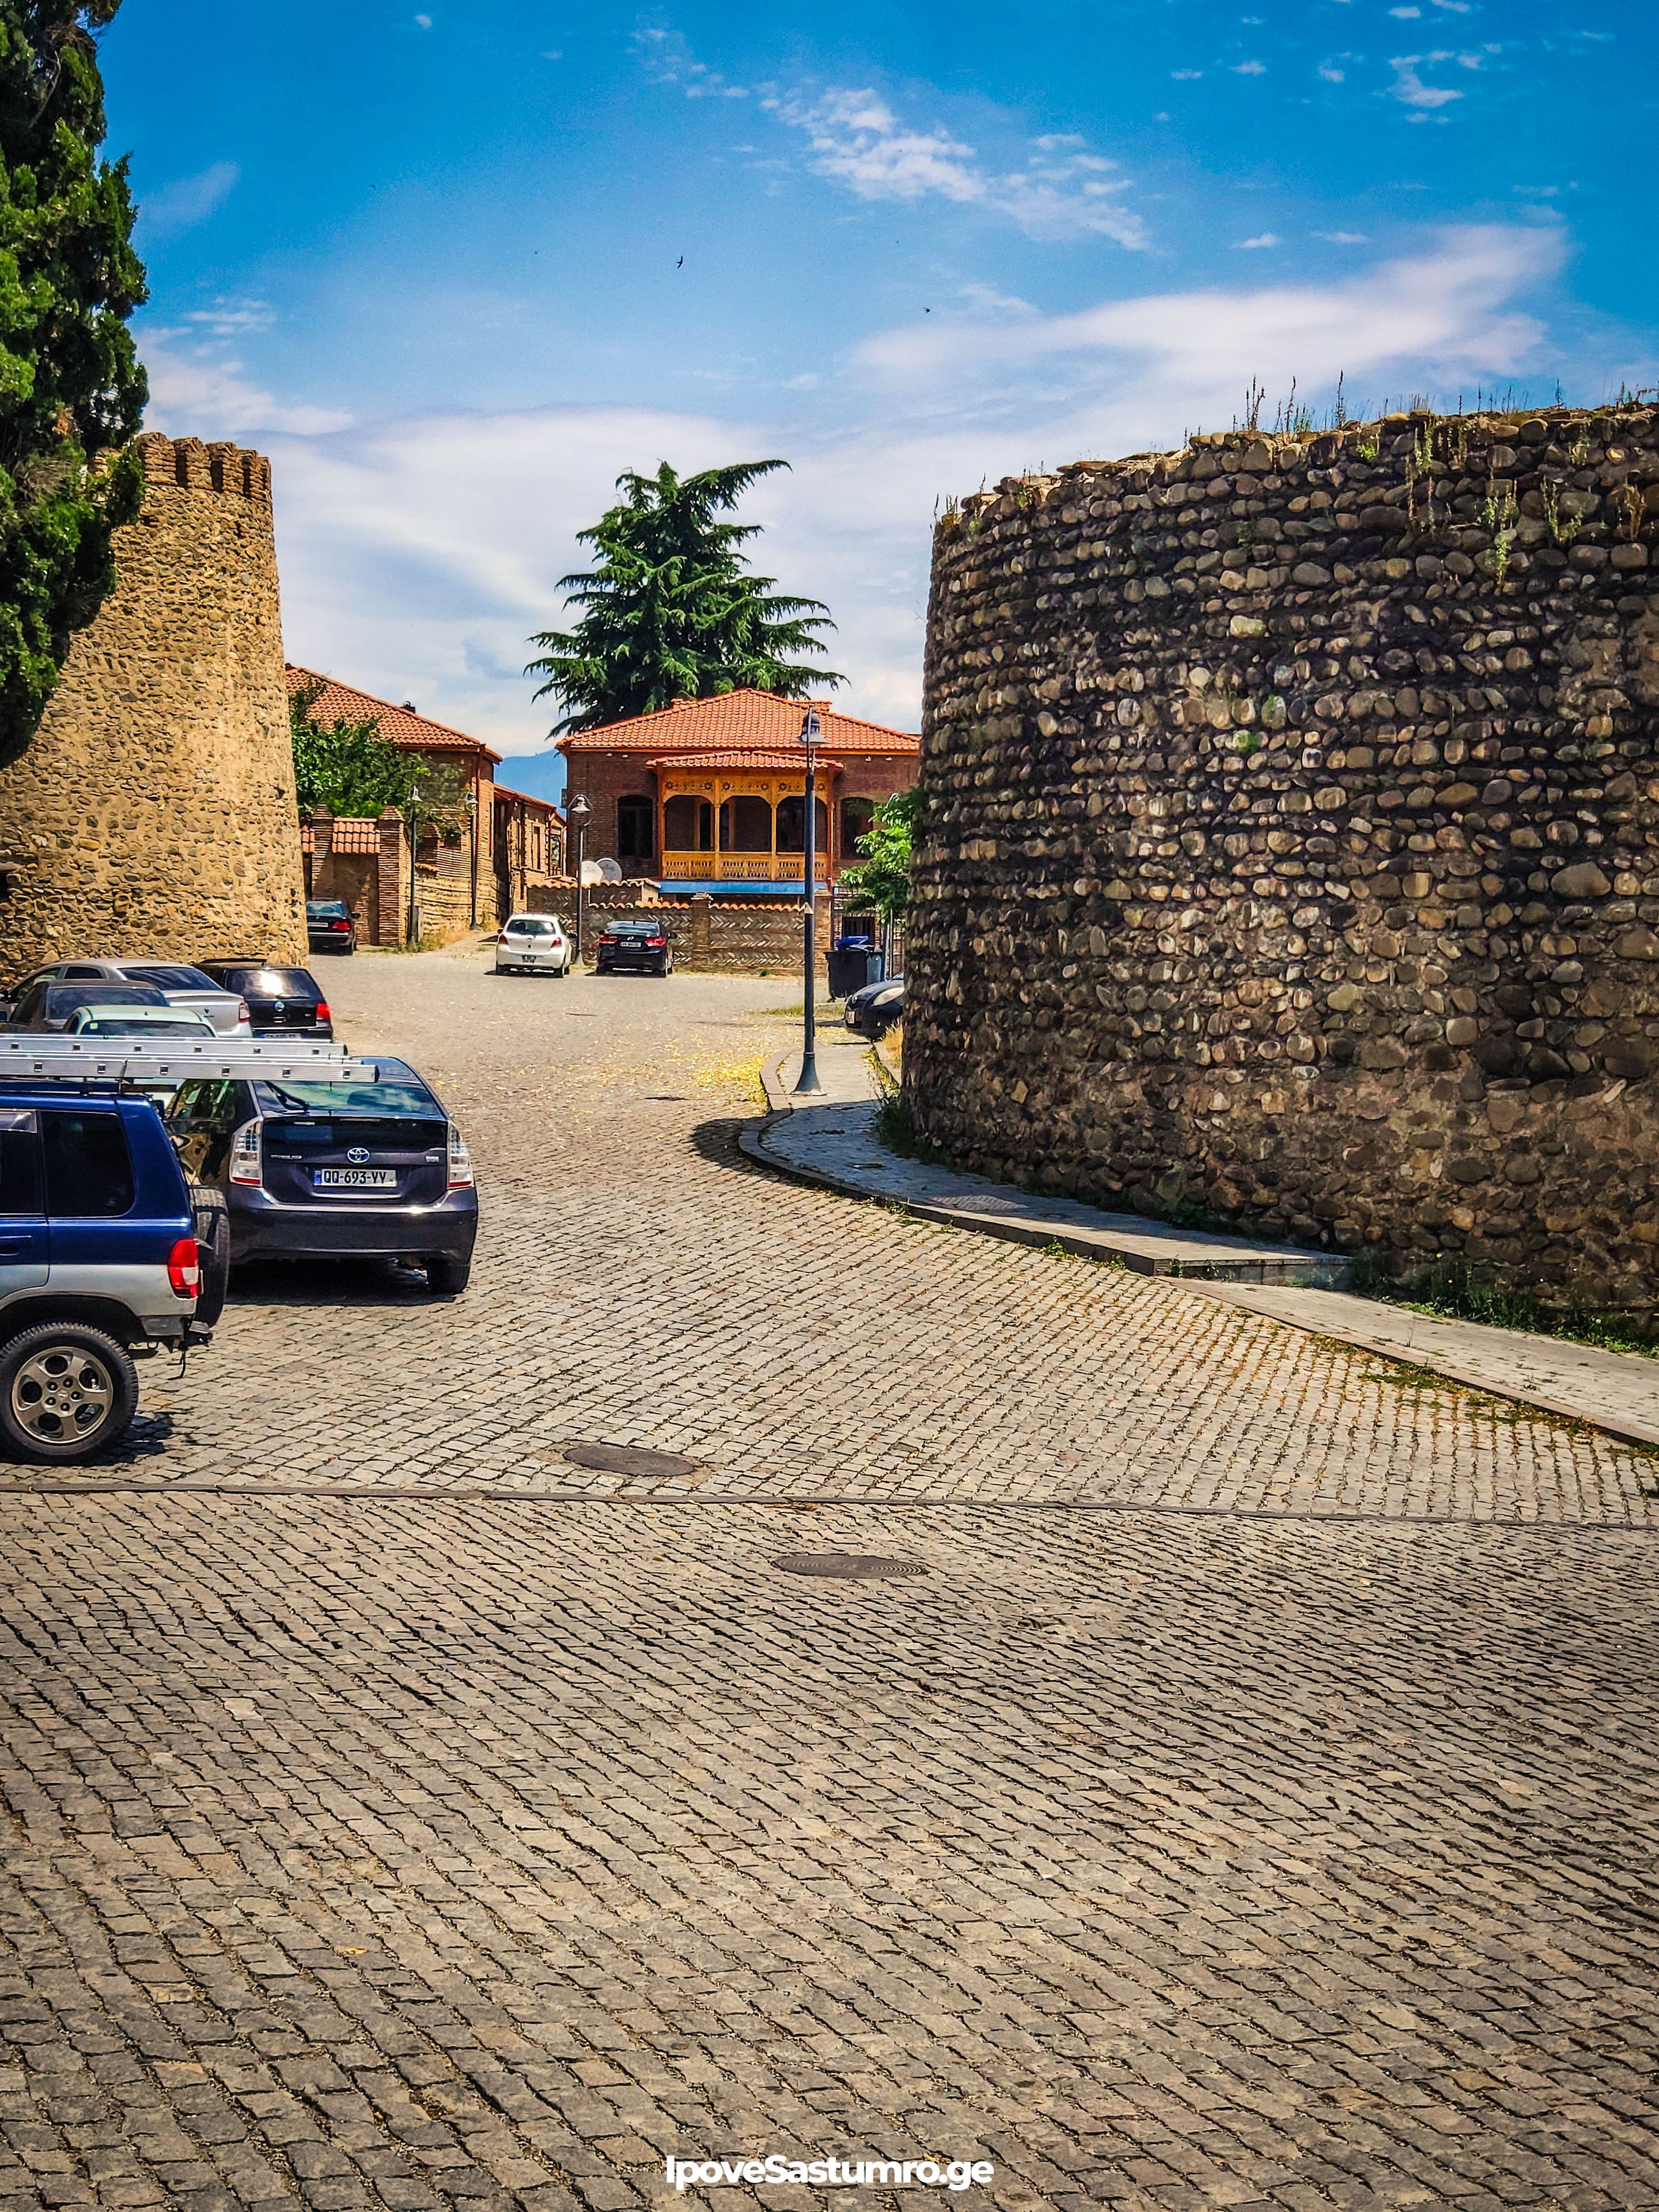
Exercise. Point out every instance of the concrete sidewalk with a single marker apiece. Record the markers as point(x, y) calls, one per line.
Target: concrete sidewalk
point(832, 1141)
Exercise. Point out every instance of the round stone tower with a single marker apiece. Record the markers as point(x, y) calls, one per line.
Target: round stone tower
point(154, 811)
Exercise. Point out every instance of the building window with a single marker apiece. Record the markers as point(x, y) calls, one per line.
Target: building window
point(746, 825)
point(688, 825)
point(791, 826)
point(856, 815)
point(636, 829)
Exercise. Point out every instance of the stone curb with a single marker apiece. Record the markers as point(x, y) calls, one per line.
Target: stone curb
point(1320, 1313)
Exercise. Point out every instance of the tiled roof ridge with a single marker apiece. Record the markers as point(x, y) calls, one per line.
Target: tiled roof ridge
point(505, 791)
point(299, 678)
point(633, 731)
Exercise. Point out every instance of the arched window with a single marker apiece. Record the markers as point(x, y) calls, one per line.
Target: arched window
point(688, 825)
point(636, 829)
point(791, 826)
point(856, 815)
point(746, 825)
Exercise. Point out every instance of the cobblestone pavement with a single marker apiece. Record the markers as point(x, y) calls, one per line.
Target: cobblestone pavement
point(480, 1850)
point(639, 1281)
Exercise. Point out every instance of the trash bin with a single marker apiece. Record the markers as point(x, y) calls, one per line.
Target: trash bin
point(852, 966)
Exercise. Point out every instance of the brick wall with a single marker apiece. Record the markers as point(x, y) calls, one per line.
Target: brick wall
point(732, 936)
point(153, 809)
point(1293, 849)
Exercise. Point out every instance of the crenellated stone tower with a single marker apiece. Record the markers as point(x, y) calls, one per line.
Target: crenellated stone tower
point(154, 811)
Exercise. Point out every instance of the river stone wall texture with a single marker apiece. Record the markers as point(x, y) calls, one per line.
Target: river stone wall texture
point(154, 811)
point(1292, 857)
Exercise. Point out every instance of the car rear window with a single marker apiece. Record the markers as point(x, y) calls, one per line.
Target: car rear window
point(634, 929)
point(532, 928)
point(323, 909)
point(168, 979)
point(389, 1099)
point(88, 1169)
point(115, 1025)
point(393, 1133)
point(67, 998)
point(273, 983)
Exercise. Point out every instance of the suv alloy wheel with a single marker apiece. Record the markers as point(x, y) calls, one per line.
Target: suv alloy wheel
point(65, 1390)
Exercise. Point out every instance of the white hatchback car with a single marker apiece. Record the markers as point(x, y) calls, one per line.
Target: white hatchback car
point(533, 944)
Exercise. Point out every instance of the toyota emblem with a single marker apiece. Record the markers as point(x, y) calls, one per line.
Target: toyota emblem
point(357, 1155)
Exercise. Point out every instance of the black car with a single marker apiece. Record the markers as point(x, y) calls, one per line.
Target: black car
point(872, 1012)
point(625, 943)
point(279, 999)
point(54, 1006)
point(329, 926)
point(311, 1168)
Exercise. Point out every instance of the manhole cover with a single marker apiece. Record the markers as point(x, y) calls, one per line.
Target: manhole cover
point(628, 1459)
point(847, 1566)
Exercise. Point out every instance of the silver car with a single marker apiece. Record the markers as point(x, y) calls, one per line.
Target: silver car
point(186, 988)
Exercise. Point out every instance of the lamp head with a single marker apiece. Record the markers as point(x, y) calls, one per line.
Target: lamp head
point(579, 811)
point(812, 731)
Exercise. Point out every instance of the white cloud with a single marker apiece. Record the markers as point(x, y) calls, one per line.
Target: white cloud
point(197, 392)
point(189, 200)
point(1341, 237)
point(1185, 76)
point(1059, 190)
point(1333, 76)
point(418, 555)
point(1409, 89)
point(1249, 68)
point(1265, 238)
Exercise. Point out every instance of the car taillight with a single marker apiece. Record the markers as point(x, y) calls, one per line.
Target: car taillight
point(242, 1012)
point(460, 1161)
point(185, 1268)
point(246, 1166)
point(322, 1014)
point(339, 925)
point(655, 944)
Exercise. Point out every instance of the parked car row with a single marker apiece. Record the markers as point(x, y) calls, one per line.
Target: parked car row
point(225, 998)
point(124, 1205)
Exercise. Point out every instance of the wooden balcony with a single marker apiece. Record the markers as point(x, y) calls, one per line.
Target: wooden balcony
point(741, 867)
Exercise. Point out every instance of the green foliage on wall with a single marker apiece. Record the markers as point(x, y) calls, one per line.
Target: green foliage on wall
point(71, 389)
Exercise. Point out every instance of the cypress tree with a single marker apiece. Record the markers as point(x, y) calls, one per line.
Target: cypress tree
point(71, 389)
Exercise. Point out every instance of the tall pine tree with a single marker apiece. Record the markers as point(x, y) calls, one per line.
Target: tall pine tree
point(672, 610)
point(71, 389)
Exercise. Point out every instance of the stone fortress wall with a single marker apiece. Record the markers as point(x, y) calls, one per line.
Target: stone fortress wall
point(1293, 852)
point(154, 811)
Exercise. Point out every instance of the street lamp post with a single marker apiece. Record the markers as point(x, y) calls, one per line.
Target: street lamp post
point(578, 815)
point(472, 805)
point(807, 1082)
point(414, 853)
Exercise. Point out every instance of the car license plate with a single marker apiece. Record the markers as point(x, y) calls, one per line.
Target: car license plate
point(354, 1179)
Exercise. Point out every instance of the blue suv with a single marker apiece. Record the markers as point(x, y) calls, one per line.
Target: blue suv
point(101, 1259)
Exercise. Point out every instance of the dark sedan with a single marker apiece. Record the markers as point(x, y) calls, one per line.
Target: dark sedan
point(329, 926)
point(279, 999)
point(315, 1169)
point(872, 1012)
point(640, 945)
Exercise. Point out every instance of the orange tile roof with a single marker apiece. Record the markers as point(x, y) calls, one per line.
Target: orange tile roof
point(343, 702)
point(794, 762)
point(528, 799)
point(740, 721)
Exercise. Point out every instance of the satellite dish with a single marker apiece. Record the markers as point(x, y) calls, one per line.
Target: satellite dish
point(592, 872)
point(610, 873)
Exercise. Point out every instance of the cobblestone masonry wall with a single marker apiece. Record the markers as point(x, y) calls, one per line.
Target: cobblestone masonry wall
point(1294, 849)
point(154, 811)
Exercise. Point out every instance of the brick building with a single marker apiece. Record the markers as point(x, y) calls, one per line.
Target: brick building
point(511, 842)
point(709, 794)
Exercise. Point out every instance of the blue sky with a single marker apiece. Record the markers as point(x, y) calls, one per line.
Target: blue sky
point(454, 267)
